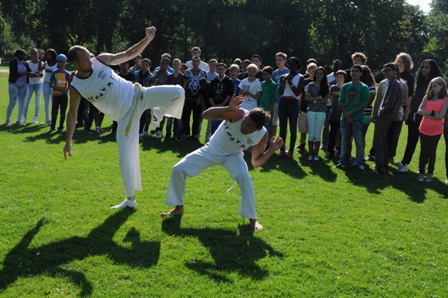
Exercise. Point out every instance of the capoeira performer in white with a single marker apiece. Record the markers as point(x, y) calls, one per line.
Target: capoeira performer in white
point(123, 102)
point(240, 130)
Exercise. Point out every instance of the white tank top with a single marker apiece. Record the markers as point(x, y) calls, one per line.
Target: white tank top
point(47, 75)
point(35, 68)
point(228, 138)
point(106, 90)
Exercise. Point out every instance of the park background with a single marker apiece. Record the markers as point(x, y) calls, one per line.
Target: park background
point(328, 232)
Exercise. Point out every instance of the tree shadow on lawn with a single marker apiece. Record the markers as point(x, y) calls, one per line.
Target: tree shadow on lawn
point(231, 251)
point(406, 183)
point(49, 259)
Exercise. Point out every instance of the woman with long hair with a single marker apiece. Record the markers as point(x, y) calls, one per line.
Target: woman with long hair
point(18, 80)
point(317, 95)
point(428, 70)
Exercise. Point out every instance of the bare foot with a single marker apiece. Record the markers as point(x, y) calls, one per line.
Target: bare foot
point(255, 225)
point(178, 210)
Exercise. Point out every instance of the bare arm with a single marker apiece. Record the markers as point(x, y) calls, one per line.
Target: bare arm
point(132, 52)
point(259, 156)
point(72, 114)
point(232, 112)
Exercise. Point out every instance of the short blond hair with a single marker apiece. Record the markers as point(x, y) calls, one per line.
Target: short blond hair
point(252, 66)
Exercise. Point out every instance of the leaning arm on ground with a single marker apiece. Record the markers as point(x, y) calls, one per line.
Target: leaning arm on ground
point(132, 52)
point(259, 156)
point(72, 114)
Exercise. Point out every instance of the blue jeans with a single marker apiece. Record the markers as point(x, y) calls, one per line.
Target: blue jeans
point(31, 88)
point(16, 94)
point(347, 131)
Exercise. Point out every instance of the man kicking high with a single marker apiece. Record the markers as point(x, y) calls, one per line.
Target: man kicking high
point(123, 102)
point(240, 130)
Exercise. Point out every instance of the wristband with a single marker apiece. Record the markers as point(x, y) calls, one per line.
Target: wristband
point(433, 113)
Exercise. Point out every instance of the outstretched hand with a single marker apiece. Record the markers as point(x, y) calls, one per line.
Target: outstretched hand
point(235, 102)
point(276, 143)
point(150, 32)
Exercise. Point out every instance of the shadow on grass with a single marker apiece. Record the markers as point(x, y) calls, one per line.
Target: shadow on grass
point(182, 148)
point(231, 251)
point(406, 183)
point(49, 259)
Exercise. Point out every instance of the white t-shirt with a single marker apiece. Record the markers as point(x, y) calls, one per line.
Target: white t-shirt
point(106, 90)
point(295, 82)
point(35, 68)
point(228, 138)
point(203, 65)
point(47, 75)
point(249, 102)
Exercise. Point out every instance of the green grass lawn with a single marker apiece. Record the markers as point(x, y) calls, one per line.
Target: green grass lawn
point(328, 232)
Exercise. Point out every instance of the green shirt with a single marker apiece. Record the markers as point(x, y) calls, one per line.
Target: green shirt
point(352, 96)
point(268, 94)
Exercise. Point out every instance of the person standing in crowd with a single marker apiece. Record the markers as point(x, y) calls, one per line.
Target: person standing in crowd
point(280, 61)
point(239, 130)
point(143, 77)
point(433, 109)
point(268, 95)
point(303, 107)
point(48, 68)
point(34, 86)
point(291, 85)
point(428, 70)
point(334, 141)
point(123, 102)
point(18, 79)
point(353, 99)
point(137, 64)
point(219, 93)
point(233, 74)
point(59, 83)
point(250, 88)
point(383, 117)
point(193, 100)
point(196, 52)
point(176, 78)
point(159, 78)
point(317, 95)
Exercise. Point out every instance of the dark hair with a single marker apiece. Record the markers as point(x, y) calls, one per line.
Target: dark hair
point(260, 117)
point(324, 88)
point(221, 64)
point(342, 72)
point(268, 69)
point(256, 56)
point(311, 60)
point(296, 61)
point(434, 72)
point(73, 53)
point(357, 66)
point(19, 52)
point(146, 60)
point(367, 76)
point(52, 53)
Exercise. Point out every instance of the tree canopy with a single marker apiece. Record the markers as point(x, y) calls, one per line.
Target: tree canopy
point(322, 29)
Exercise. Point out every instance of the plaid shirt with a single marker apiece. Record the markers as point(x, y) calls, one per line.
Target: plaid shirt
point(391, 102)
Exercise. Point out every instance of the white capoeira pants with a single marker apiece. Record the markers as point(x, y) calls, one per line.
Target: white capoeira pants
point(163, 100)
point(201, 159)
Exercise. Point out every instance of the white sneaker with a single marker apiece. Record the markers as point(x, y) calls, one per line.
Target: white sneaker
point(402, 168)
point(143, 134)
point(159, 134)
point(125, 203)
point(35, 121)
point(23, 120)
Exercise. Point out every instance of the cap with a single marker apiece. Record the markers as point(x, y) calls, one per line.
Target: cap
point(61, 57)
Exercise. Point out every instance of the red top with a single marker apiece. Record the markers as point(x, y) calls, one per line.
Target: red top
point(432, 127)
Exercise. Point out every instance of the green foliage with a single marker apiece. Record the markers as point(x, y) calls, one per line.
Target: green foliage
point(437, 21)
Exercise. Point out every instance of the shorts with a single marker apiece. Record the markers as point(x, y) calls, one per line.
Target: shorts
point(303, 123)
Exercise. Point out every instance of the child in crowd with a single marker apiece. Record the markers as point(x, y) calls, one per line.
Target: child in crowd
point(334, 142)
point(250, 88)
point(233, 74)
point(433, 109)
point(268, 95)
point(59, 83)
